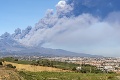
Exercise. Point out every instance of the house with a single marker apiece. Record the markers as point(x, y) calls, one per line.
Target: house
point(109, 68)
point(78, 68)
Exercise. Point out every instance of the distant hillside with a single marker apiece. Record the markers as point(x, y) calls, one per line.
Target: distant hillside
point(40, 51)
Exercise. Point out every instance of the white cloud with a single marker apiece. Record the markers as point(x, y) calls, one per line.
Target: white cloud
point(61, 4)
point(63, 8)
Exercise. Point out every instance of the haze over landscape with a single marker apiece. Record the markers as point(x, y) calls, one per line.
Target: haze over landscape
point(80, 26)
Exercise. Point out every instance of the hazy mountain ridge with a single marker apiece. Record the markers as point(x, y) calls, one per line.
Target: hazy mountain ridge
point(10, 47)
point(46, 52)
point(9, 44)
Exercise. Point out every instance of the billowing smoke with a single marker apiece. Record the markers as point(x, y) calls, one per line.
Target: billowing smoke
point(63, 8)
point(86, 33)
point(49, 13)
point(80, 26)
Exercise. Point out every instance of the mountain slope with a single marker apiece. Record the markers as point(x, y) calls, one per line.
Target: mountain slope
point(45, 52)
point(7, 45)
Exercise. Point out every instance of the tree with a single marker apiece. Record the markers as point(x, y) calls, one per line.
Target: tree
point(16, 60)
point(74, 69)
point(1, 63)
point(10, 66)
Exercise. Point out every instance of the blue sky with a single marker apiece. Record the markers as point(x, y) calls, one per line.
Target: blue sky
point(22, 13)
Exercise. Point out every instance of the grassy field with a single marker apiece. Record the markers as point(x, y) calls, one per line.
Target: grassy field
point(11, 59)
point(66, 76)
point(32, 68)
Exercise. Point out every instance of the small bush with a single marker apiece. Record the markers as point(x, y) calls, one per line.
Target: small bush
point(110, 77)
point(83, 71)
point(1, 63)
point(74, 69)
point(111, 72)
point(16, 60)
point(10, 66)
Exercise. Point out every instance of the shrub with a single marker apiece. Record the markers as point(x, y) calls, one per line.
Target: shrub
point(83, 71)
point(111, 72)
point(16, 60)
point(110, 77)
point(1, 63)
point(10, 66)
point(74, 69)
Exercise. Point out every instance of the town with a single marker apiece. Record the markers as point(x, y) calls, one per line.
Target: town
point(102, 63)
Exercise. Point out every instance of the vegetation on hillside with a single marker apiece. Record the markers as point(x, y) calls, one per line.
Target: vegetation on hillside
point(1, 63)
point(57, 64)
point(68, 66)
point(87, 72)
point(15, 60)
point(10, 66)
point(66, 76)
point(9, 74)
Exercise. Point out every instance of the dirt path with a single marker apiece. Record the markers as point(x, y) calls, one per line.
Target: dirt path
point(33, 68)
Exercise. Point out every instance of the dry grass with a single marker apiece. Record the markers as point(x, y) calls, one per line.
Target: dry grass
point(32, 68)
point(9, 75)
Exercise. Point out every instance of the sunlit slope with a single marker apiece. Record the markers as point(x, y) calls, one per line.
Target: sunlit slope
point(9, 75)
point(32, 68)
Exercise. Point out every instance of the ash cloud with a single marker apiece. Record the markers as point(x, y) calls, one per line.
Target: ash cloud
point(87, 34)
point(79, 26)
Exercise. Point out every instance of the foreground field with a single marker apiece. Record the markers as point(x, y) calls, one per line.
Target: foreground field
point(25, 71)
point(66, 76)
point(31, 72)
point(32, 68)
point(9, 74)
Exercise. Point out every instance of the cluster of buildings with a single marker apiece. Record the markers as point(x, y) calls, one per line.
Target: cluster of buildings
point(104, 63)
